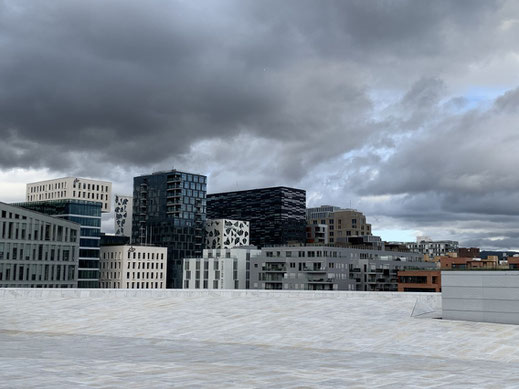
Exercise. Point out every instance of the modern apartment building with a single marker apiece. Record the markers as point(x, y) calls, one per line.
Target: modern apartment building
point(36, 250)
point(276, 215)
point(331, 268)
point(226, 233)
point(320, 213)
point(317, 233)
point(88, 215)
point(123, 211)
point(133, 267)
point(433, 248)
point(169, 210)
point(71, 188)
point(219, 269)
point(337, 224)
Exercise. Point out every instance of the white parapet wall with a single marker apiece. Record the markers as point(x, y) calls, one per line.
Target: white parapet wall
point(476, 295)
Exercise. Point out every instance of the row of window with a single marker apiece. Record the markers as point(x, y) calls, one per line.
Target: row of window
point(44, 187)
point(37, 272)
point(32, 229)
point(28, 252)
point(132, 285)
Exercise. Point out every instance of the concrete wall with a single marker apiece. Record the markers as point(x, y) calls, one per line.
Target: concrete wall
point(489, 296)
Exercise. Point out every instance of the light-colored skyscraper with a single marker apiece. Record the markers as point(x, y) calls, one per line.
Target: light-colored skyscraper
point(71, 188)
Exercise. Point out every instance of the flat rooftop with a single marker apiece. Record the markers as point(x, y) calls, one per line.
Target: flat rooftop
point(246, 339)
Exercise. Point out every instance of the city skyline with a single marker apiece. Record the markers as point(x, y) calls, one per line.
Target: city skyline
point(404, 109)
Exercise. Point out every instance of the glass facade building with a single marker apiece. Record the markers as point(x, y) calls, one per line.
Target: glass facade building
point(169, 210)
point(88, 215)
point(276, 215)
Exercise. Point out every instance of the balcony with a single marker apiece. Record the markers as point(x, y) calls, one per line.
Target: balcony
point(314, 269)
point(276, 277)
point(320, 281)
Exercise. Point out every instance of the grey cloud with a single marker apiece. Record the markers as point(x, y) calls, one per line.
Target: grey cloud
point(261, 93)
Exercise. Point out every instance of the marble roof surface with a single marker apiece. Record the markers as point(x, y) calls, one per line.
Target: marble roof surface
point(246, 339)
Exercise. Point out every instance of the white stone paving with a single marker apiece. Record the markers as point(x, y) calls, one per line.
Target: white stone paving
point(246, 339)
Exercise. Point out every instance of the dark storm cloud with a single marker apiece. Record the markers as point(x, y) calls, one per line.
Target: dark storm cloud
point(350, 99)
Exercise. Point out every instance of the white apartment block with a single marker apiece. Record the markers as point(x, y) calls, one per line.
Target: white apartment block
point(226, 233)
point(219, 269)
point(433, 248)
point(133, 267)
point(71, 188)
point(123, 211)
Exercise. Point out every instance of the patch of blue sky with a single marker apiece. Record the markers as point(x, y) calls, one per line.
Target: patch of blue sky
point(392, 235)
point(479, 97)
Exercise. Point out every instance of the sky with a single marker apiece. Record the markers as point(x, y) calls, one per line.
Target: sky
point(405, 110)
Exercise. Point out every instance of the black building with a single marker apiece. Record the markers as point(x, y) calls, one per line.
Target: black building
point(169, 210)
point(88, 215)
point(276, 215)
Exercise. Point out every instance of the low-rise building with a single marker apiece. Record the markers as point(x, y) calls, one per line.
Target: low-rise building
point(513, 263)
point(433, 248)
point(419, 281)
point(133, 267)
point(331, 268)
point(36, 250)
point(220, 269)
point(461, 263)
point(468, 252)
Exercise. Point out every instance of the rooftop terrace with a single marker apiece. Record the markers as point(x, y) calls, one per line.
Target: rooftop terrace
point(141, 339)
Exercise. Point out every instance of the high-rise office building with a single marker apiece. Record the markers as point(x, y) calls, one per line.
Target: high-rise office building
point(169, 210)
point(88, 215)
point(276, 215)
point(36, 250)
point(71, 188)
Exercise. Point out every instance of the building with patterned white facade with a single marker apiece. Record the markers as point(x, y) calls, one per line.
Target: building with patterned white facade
point(220, 269)
point(133, 267)
point(226, 233)
point(71, 188)
point(123, 211)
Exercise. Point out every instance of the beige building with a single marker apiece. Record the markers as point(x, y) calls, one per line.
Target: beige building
point(340, 223)
point(133, 267)
point(71, 188)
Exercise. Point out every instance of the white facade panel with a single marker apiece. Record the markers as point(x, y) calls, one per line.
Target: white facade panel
point(489, 296)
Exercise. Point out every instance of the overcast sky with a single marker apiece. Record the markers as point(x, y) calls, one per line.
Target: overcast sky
point(407, 110)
